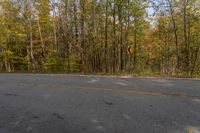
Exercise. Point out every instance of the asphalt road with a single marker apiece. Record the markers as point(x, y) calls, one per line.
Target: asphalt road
point(94, 104)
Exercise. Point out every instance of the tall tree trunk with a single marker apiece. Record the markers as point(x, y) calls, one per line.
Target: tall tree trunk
point(94, 35)
point(40, 33)
point(30, 36)
point(114, 37)
point(135, 52)
point(54, 29)
point(75, 22)
point(195, 59)
point(42, 43)
point(175, 34)
point(185, 36)
point(105, 69)
point(32, 59)
point(120, 41)
point(83, 67)
point(127, 56)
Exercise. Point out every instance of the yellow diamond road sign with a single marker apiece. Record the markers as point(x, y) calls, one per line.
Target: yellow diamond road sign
point(130, 50)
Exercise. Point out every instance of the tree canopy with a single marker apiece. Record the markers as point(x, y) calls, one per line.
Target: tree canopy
point(92, 36)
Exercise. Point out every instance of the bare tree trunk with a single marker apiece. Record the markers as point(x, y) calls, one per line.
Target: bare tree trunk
point(40, 33)
point(30, 49)
point(54, 29)
point(121, 48)
point(114, 37)
point(82, 35)
point(32, 60)
point(135, 51)
point(7, 61)
point(93, 36)
point(175, 34)
point(195, 60)
point(127, 57)
point(105, 67)
point(75, 22)
point(185, 36)
point(120, 41)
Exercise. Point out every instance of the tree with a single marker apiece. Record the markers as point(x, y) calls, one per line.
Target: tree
point(93, 36)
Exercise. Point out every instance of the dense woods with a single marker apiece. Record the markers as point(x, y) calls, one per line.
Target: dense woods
point(92, 36)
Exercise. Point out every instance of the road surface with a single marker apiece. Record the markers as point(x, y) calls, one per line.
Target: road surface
point(93, 104)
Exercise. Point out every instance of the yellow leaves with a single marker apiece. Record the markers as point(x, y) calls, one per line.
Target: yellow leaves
point(152, 55)
point(8, 53)
point(190, 130)
point(21, 35)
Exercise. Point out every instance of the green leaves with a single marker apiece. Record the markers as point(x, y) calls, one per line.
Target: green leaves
point(93, 35)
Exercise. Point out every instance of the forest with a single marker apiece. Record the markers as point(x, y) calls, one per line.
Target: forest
point(139, 37)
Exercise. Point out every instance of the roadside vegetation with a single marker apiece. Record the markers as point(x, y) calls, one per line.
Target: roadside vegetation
point(93, 36)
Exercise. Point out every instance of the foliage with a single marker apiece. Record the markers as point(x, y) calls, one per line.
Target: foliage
point(93, 36)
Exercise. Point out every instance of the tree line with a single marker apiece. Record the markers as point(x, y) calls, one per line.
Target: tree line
point(92, 36)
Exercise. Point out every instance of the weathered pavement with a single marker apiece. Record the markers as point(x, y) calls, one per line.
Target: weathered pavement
point(92, 104)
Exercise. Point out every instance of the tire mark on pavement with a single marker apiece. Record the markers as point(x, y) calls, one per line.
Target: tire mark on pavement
point(141, 92)
point(9, 94)
point(112, 90)
point(58, 116)
point(108, 103)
